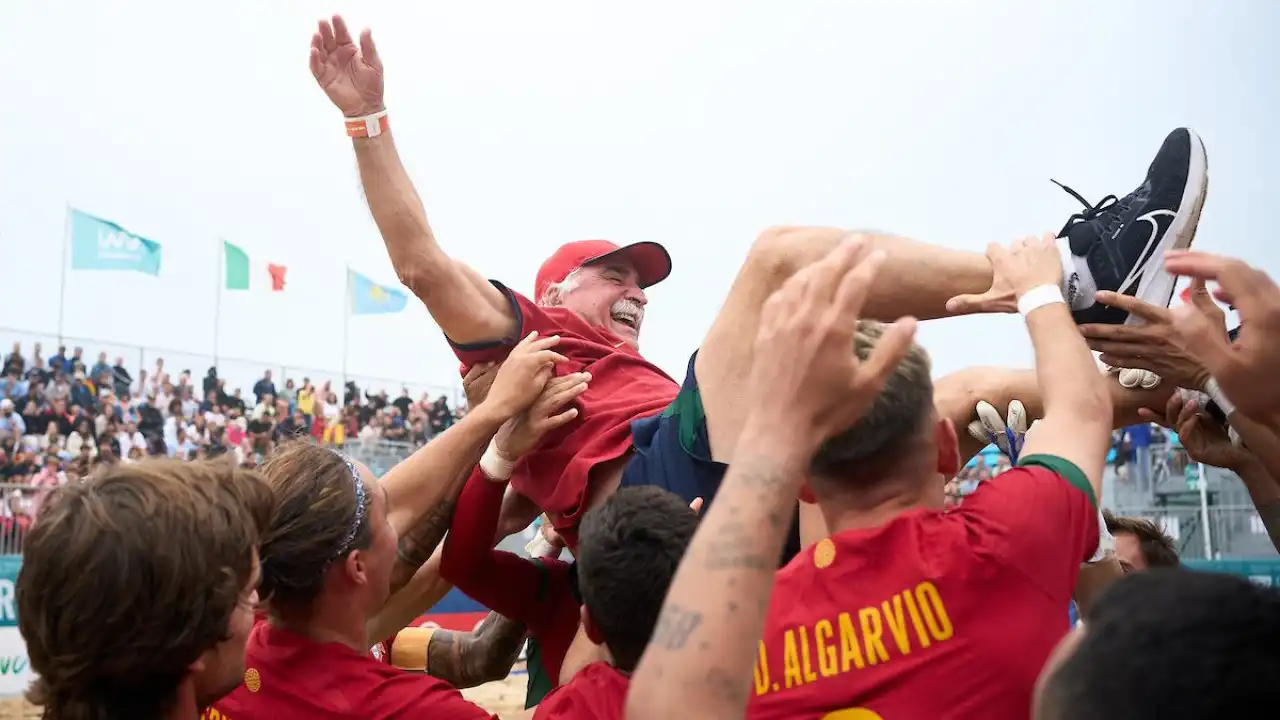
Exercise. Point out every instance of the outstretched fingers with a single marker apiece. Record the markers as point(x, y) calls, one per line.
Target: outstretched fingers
point(340, 32)
point(369, 51)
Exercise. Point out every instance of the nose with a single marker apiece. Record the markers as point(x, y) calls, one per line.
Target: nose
point(637, 296)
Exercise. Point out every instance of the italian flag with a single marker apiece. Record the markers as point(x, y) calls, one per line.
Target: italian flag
point(238, 274)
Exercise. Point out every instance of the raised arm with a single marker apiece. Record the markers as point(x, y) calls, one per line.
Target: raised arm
point(422, 490)
point(501, 580)
point(698, 662)
point(1077, 402)
point(465, 305)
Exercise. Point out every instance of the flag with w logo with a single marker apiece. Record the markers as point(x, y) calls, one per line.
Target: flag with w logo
point(98, 244)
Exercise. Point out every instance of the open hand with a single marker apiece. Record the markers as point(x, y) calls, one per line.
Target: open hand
point(477, 381)
point(524, 374)
point(351, 76)
point(1244, 368)
point(1155, 346)
point(1204, 439)
point(524, 431)
point(1027, 263)
point(807, 381)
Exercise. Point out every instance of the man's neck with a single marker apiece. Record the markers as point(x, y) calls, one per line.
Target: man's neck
point(325, 624)
point(854, 513)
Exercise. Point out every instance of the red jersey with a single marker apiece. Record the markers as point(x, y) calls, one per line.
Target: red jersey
point(536, 592)
point(934, 614)
point(624, 386)
point(289, 676)
point(597, 692)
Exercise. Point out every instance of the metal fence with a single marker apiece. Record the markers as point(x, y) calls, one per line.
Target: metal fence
point(21, 503)
point(239, 372)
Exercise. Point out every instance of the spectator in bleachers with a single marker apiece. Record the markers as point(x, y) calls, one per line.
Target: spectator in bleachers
point(264, 387)
point(14, 362)
point(60, 420)
point(11, 423)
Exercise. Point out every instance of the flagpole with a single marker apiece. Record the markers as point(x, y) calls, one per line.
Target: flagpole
point(62, 286)
point(346, 318)
point(217, 302)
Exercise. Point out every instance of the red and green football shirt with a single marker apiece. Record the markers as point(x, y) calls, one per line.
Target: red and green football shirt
point(624, 387)
point(933, 614)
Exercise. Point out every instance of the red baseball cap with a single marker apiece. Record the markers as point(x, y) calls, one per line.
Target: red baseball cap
point(651, 261)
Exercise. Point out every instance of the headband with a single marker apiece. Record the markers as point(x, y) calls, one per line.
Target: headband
point(358, 485)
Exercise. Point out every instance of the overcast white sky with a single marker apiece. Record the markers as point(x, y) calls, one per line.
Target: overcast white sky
point(526, 125)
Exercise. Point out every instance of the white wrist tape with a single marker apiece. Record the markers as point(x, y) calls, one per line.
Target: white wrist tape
point(495, 465)
point(1039, 296)
point(1215, 394)
point(539, 547)
point(1106, 541)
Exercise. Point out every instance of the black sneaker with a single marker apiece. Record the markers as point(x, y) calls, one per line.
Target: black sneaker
point(1124, 240)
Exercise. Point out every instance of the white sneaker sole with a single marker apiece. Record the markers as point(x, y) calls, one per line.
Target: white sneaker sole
point(1156, 286)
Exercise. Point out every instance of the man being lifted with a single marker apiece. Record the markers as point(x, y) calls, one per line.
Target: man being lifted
point(638, 426)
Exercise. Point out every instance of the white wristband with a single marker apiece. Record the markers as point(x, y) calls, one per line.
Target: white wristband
point(367, 126)
point(1215, 394)
point(539, 546)
point(495, 465)
point(1039, 296)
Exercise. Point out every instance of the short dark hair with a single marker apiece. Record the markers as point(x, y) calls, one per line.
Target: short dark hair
point(1172, 644)
point(893, 420)
point(129, 576)
point(1156, 547)
point(628, 550)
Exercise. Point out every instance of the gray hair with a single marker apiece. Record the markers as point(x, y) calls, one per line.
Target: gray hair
point(555, 292)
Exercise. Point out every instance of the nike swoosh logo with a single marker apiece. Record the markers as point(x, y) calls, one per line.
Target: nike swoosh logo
point(1160, 221)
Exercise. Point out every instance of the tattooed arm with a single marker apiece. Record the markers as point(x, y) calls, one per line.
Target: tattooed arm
point(422, 490)
point(468, 659)
point(698, 663)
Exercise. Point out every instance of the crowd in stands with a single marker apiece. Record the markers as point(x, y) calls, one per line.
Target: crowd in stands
point(62, 416)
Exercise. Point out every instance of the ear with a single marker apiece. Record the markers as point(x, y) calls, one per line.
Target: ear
point(201, 663)
point(948, 447)
point(593, 632)
point(355, 568)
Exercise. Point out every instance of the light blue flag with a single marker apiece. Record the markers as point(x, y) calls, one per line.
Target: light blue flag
point(370, 298)
point(98, 244)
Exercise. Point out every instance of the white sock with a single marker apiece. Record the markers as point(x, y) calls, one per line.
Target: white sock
point(1078, 285)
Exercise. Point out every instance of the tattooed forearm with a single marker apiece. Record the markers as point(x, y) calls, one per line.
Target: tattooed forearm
point(737, 545)
point(483, 655)
point(704, 640)
point(675, 625)
point(415, 546)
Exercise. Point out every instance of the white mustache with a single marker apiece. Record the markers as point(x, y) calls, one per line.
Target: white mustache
point(629, 307)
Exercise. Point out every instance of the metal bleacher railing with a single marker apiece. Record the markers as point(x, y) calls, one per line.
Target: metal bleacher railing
point(239, 372)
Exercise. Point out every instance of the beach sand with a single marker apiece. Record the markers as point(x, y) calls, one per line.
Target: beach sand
point(504, 698)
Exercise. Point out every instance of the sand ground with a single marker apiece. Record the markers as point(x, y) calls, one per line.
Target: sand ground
point(505, 698)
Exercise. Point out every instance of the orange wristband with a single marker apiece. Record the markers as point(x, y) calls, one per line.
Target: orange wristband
point(368, 126)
